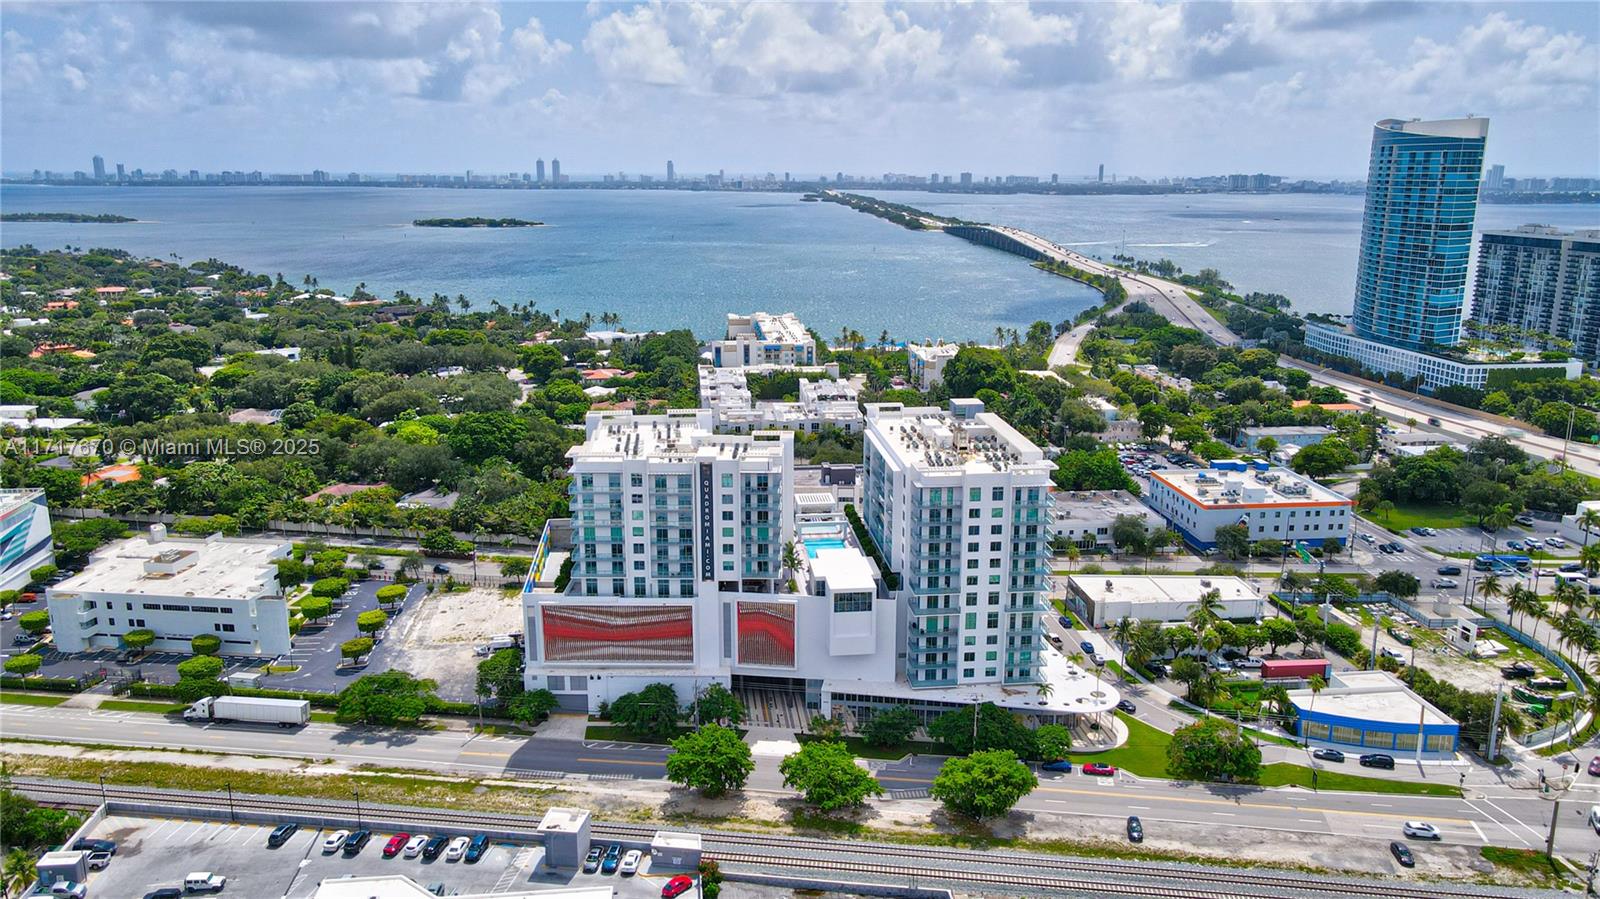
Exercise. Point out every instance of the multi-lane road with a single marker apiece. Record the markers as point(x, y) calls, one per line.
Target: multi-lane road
point(1488, 815)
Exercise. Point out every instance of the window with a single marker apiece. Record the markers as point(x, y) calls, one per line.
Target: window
point(1350, 735)
point(971, 620)
point(974, 494)
point(998, 494)
point(852, 602)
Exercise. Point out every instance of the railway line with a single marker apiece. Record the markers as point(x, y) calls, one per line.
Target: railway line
point(959, 869)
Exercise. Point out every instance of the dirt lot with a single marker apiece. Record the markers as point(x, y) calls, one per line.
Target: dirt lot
point(436, 638)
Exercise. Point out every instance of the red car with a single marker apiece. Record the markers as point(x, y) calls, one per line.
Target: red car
point(1101, 769)
point(677, 886)
point(1594, 766)
point(395, 844)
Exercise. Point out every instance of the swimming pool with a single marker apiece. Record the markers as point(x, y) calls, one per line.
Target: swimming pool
point(815, 546)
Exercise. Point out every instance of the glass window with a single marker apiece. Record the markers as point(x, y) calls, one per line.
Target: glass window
point(1350, 735)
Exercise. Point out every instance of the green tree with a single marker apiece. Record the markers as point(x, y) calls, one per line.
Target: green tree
point(1128, 533)
point(712, 760)
point(391, 594)
point(1233, 540)
point(825, 728)
point(23, 665)
point(390, 697)
point(1213, 750)
point(205, 644)
point(1397, 583)
point(716, 703)
point(826, 774)
point(531, 706)
point(18, 871)
point(652, 714)
point(139, 639)
point(370, 622)
point(26, 826)
point(984, 784)
point(34, 622)
point(357, 649)
point(500, 675)
point(1053, 740)
point(200, 668)
point(890, 727)
point(316, 608)
point(996, 729)
point(330, 587)
point(42, 573)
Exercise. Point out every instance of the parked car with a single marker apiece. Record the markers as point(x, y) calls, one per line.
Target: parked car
point(69, 888)
point(1135, 829)
point(677, 886)
point(1248, 662)
point(1594, 766)
point(1056, 641)
point(1571, 567)
point(1519, 669)
point(1444, 583)
point(1087, 647)
point(1063, 766)
point(1516, 545)
point(334, 841)
point(1421, 830)
point(1327, 755)
point(165, 893)
point(281, 835)
point(204, 882)
point(356, 843)
point(1450, 569)
point(476, 849)
point(630, 863)
point(1377, 760)
point(98, 860)
point(396, 845)
point(435, 845)
point(1555, 542)
point(1526, 520)
point(591, 862)
point(1534, 543)
point(1100, 769)
point(415, 844)
point(88, 845)
point(1402, 854)
point(457, 849)
point(1126, 705)
point(613, 858)
point(1098, 659)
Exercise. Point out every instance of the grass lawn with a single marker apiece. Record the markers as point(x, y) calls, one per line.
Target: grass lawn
point(1531, 863)
point(141, 705)
point(1145, 753)
point(1403, 518)
point(324, 717)
point(1283, 773)
point(862, 749)
point(621, 735)
point(32, 698)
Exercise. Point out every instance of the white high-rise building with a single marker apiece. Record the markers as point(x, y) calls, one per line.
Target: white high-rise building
point(959, 504)
point(927, 362)
point(762, 338)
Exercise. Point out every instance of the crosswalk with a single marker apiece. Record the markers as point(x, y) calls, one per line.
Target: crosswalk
point(514, 871)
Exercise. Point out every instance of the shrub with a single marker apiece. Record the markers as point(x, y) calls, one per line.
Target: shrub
point(23, 665)
point(205, 644)
point(200, 668)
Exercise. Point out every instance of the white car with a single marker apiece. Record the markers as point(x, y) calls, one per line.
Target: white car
point(1556, 542)
point(630, 862)
point(1421, 830)
point(68, 888)
point(1444, 583)
point(414, 846)
point(456, 849)
point(1249, 662)
point(1534, 543)
point(334, 841)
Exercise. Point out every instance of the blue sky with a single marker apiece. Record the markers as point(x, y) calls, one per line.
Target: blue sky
point(1146, 88)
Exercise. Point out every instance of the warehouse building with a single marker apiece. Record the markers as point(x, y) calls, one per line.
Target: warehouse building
point(1273, 503)
point(1103, 600)
point(1372, 711)
point(1085, 517)
point(179, 588)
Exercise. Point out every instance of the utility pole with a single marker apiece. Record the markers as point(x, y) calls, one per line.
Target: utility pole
point(1494, 723)
point(1550, 840)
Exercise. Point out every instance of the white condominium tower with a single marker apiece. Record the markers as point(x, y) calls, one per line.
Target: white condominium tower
point(958, 503)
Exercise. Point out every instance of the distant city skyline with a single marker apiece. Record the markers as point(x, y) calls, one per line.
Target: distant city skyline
point(1009, 88)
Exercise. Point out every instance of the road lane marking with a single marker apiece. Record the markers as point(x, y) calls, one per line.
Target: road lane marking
point(496, 754)
point(1225, 814)
point(1478, 831)
point(623, 762)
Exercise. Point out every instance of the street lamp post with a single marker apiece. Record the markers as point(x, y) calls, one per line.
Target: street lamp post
point(357, 792)
point(231, 817)
point(103, 800)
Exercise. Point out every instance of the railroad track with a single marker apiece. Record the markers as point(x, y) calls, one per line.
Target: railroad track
point(921, 864)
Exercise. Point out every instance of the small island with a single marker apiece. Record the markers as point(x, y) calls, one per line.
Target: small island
point(474, 222)
point(73, 217)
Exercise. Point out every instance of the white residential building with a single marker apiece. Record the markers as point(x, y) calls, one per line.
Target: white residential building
point(1116, 428)
point(927, 362)
point(823, 403)
point(25, 542)
point(958, 502)
point(1436, 371)
point(1085, 517)
point(1103, 600)
point(1273, 503)
point(178, 588)
point(763, 338)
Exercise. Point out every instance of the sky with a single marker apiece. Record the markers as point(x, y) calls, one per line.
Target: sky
point(1147, 89)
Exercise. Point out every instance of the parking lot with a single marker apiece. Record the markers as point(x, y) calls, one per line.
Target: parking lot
point(154, 853)
point(316, 648)
point(155, 666)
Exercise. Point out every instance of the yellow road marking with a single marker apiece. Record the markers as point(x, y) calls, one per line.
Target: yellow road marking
point(623, 762)
point(1327, 811)
point(491, 754)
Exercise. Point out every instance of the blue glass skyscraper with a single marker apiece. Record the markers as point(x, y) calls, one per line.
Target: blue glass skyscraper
point(1416, 233)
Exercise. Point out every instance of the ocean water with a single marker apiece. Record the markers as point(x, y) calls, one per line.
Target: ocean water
point(660, 259)
point(1303, 246)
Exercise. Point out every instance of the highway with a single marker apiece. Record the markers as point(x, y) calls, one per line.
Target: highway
point(1489, 815)
point(1398, 405)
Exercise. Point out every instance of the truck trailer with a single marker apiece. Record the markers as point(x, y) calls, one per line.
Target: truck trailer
point(250, 709)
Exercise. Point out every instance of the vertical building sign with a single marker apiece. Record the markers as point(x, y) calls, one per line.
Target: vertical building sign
point(707, 523)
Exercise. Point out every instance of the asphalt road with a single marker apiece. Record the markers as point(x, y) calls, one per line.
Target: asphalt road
point(1490, 815)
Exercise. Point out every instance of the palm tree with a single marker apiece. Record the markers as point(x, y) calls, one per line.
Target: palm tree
point(18, 871)
point(1589, 520)
point(1501, 518)
point(1044, 689)
point(1489, 587)
point(1522, 602)
point(1316, 684)
point(1123, 631)
point(1590, 557)
point(1292, 582)
point(1570, 595)
point(1384, 508)
point(1072, 553)
point(1207, 610)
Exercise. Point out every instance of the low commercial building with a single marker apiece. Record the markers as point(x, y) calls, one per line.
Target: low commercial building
point(1288, 435)
point(179, 588)
point(1085, 517)
point(1416, 443)
point(1273, 503)
point(1116, 428)
point(1436, 371)
point(1103, 600)
point(927, 362)
point(1372, 711)
point(25, 542)
point(762, 338)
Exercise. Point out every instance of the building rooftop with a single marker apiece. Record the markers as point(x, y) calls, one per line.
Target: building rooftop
point(845, 569)
point(680, 435)
point(214, 568)
point(1096, 504)
point(563, 820)
point(1370, 696)
point(934, 350)
point(1250, 486)
point(964, 439)
point(16, 497)
point(1161, 588)
point(783, 327)
point(1296, 430)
